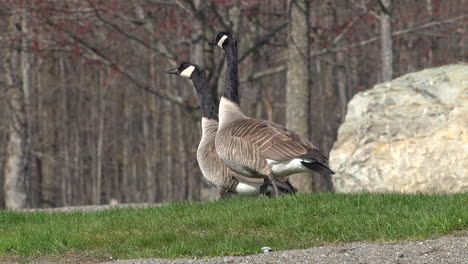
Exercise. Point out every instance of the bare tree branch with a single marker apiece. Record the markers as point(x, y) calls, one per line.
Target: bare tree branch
point(386, 9)
point(219, 17)
point(348, 27)
point(169, 2)
point(101, 56)
point(364, 7)
point(160, 50)
point(265, 73)
point(374, 39)
point(262, 42)
point(186, 9)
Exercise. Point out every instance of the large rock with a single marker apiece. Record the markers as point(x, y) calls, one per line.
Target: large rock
point(407, 135)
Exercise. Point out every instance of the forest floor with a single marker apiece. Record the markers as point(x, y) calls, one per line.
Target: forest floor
point(324, 228)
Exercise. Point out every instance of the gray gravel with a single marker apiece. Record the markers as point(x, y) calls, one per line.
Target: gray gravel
point(442, 250)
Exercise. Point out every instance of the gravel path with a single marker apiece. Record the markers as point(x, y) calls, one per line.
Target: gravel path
point(448, 249)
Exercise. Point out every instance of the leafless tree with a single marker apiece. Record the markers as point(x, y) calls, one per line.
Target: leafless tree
point(16, 66)
point(99, 119)
point(387, 40)
point(298, 79)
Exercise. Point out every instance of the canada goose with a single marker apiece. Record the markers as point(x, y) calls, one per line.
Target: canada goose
point(258, 148)
point(212, 167)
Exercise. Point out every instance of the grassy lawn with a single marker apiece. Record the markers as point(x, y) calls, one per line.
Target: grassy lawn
point(232, 227)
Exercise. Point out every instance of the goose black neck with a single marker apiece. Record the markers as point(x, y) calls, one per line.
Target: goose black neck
point(230, 91)
point(209, 109)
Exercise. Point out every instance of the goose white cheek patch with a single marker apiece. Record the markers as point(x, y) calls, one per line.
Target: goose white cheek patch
point(187, 72)
point(221, 41)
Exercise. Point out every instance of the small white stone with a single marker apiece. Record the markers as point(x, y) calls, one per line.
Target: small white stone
point(266, 249)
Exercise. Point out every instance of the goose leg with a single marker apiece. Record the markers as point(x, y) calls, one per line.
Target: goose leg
point(264, 186)
point(223, 193)
point(273, 184)
point(269, 180)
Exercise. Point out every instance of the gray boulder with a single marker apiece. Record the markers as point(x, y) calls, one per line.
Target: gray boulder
point(407, 135)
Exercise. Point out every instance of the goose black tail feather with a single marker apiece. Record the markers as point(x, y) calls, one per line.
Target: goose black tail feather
point(324, 170)
point(318, 167)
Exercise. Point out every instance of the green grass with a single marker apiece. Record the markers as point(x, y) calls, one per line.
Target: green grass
point(233, 227)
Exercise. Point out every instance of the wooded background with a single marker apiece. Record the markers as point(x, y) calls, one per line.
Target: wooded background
point(89, 115)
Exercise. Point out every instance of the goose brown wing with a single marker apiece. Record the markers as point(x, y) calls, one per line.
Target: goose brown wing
point(274, 141)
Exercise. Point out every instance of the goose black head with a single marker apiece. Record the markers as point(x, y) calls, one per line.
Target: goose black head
point(222, 39)
point(185, 69)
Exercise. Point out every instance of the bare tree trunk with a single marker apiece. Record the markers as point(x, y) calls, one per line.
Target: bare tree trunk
point(148, 147)
point(126, 181)
point(162, 184)
point(148, 135)
point(197, 55)
point(136, 195)
point(167, 143)
point(151, 177)
point(159, 144)
point(197, 41)
point(76, 179)
point(17, 162)
point(46, 131)
point(100, 139)
point(387, 41)
point(78, 175)
point(298, 81)
point(156, 151)
point(181, 160)
point(342, 81)
point(65, 177)
point(463, 41)
point(430, 55)
point(4, 110)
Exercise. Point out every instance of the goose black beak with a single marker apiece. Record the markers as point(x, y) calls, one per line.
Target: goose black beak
point(173, 71)
point(213, 43)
